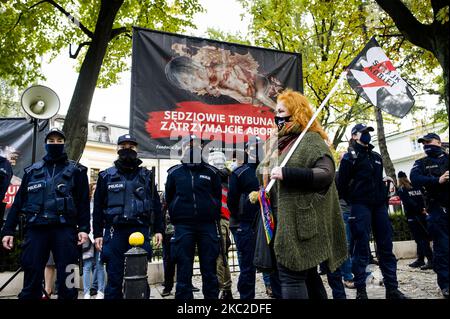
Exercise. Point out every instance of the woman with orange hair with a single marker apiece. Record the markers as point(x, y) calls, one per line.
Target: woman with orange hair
point(309, 227)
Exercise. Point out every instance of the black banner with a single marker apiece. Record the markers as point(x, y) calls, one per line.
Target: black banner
point(16, 145)
point(216, 90)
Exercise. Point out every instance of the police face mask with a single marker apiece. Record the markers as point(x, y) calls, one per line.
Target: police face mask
point(280, 121)
point(365, 138)
point(127, 155)
point(432, 150)
point(54, 150)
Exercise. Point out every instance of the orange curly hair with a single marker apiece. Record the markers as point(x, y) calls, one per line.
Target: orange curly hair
point(301, 112)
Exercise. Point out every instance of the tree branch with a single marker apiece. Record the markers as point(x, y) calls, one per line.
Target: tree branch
point(74, 20)
point(416, 32)
point(118, 31)
point(75, 55)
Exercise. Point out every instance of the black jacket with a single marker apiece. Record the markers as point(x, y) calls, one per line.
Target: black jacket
point(193, 193)
point(360, 179)
point(426, 172)
point(243, 181)
point(412, 200)
point(80, 195)
point(100, 220)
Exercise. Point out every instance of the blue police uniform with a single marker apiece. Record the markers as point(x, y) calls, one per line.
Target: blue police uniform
point(54, 196)
point(413, 203)
point(425, 173)
point(361, 184)
point(193, 195)
point(243, 181)
point(6, 174)
point(123, 204)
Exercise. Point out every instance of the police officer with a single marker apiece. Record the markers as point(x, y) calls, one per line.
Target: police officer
point(431, 172)
point(193, 195)
point(125, 201)
point(54, 196)
point(414, 206)
point(243, 218)
point(361, 184)
point(5, 177)
point(243, 181)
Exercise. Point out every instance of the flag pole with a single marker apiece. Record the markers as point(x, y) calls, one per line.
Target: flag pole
point(297, 142)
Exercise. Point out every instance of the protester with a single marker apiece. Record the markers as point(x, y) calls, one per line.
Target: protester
point(217, 159)
point(92, 264)
point(309, 227)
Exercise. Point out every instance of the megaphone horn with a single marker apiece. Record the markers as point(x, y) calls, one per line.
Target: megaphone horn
point(40, 102)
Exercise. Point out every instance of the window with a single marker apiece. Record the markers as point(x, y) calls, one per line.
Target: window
point(94, 174)
point(415, 146)
point(102, 133)
point(58, 123)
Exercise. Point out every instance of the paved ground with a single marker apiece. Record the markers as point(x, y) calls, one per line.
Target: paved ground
point(417, 284)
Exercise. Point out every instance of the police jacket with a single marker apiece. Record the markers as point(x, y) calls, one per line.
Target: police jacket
point(413, 201)
point(193, 193)
point(5, 176)
point(125, 198)
point(53, 191)
point(426, 172)
point(360, 178)
point(243, 181)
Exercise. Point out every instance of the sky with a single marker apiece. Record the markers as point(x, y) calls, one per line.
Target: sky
point(114, 102)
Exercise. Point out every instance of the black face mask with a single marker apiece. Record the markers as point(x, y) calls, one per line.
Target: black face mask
point(365, 138)
point(127, 155)
point(54, 150)
point(432, 150)
point(281, 121)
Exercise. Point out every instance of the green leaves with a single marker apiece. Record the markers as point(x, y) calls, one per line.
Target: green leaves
point(442, 15)
point(30, 30)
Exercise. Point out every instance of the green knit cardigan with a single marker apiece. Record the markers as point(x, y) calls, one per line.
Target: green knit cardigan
point(309, 225)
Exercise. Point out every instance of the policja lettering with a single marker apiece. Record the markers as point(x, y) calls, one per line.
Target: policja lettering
point(194, 309)
point(116, 186)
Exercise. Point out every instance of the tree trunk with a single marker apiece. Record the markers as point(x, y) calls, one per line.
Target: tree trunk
point(75, 124)
point(387, 162)
point(432, 37)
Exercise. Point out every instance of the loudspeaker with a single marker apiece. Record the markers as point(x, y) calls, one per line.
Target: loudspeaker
point(40, 102)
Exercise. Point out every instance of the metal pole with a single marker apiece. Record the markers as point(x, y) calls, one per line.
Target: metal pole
point(297, 142)
point(33, 155)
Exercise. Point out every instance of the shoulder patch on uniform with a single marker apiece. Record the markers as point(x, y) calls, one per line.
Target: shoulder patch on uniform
point(240, 170)
point(109, 171)
point(37, 165)
point(174, 168)
point(212, 168)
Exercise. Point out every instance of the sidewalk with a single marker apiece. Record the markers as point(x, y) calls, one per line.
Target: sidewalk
point(415, 283)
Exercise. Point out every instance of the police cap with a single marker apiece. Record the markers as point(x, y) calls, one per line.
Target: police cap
point(361, 128)
point(55, 131)
point(428, 137)
point(126, 138)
